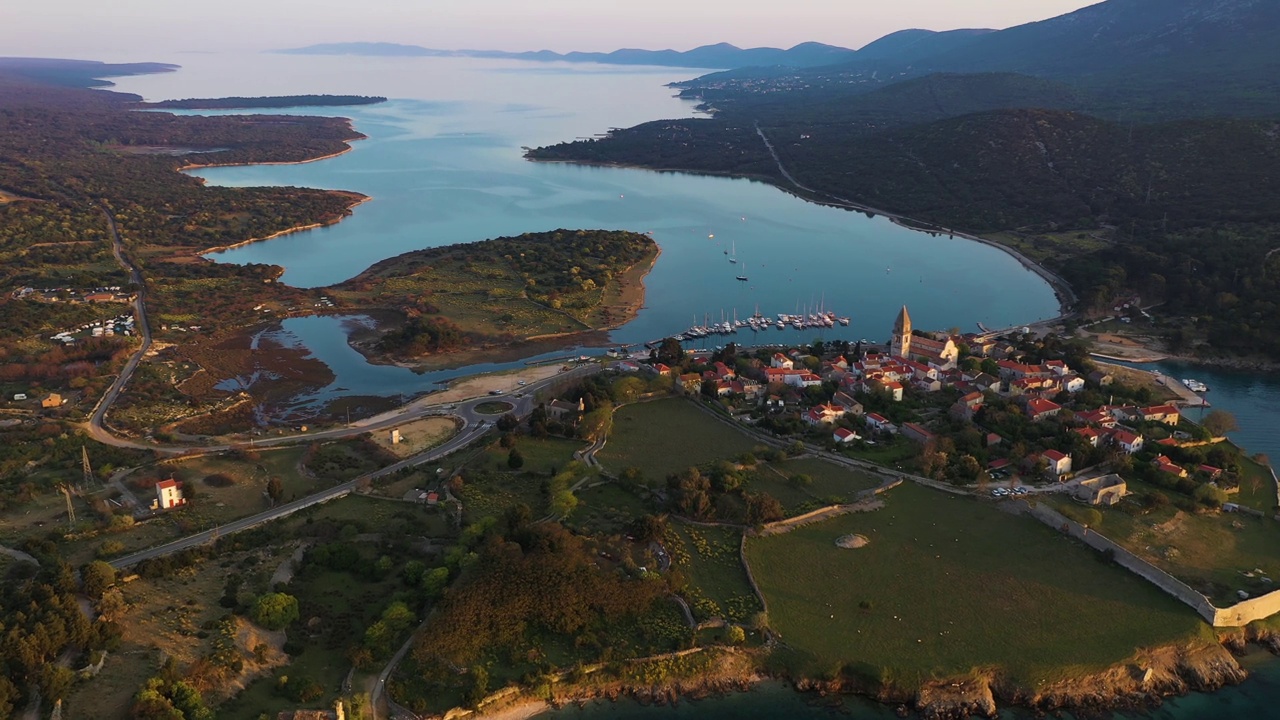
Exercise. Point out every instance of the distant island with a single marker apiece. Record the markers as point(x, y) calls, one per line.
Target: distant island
point(718, 56)
point(273, 101)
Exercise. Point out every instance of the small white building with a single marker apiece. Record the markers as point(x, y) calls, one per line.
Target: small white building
point(19, 396)
point(169, 494)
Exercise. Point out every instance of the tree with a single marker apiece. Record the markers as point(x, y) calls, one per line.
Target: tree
point(735, 635)
point(55, 681)
point(508, 422)
point(96, 577)
point(1219, 423)
point(631, 476)
point(275, 489)
point(479, 684)
point(670, 352)
point(515, 460)
point(434, 582)
point(763, 508)
point(8, 696)
point(648, 528)
point(275, 611)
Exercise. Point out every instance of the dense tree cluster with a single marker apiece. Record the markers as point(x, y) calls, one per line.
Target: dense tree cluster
point(39, 620)
point(540, 578)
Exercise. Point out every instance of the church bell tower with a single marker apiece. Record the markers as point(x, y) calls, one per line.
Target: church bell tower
point(900, 345)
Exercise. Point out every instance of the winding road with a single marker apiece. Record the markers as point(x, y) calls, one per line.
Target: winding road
point(95, 426)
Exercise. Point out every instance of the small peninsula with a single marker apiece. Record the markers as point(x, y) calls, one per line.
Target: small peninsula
point(503, 292)
point(271, 101)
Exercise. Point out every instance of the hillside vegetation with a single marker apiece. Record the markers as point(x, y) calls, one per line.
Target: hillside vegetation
point(504, 289)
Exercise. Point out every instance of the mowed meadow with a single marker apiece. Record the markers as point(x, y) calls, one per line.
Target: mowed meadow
point(948, 585)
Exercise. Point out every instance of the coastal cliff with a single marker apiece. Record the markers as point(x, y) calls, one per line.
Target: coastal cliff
point(1141, 682)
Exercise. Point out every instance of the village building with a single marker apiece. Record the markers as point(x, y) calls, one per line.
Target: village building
point(942, 354)
point(968, 406)
point(52, 400)
point(879, 422)
point(1127, 441)
point(780, 361)
point(1167, 414)
point(846, 401)
point(823, 414)
point(1165, 465)
point(1093, 436)
point(917, 433)
point(1107, 490)
point(889, 387)
point(1097, 417)
point(844, 435)
point(1100, 378)
point(169, 495)
point(690, 382)
point(1059, 462)
point(1041, 409)
point(562, 410)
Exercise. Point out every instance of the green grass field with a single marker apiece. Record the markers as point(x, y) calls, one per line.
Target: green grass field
point(1210, 552)
point(667, 436)
point(951, 584)
point(718, 584)
point(831, 480)
point(543, 455)
point(1257, 487)
point(606, 510)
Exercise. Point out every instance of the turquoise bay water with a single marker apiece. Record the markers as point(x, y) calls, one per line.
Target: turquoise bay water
point(443, 165)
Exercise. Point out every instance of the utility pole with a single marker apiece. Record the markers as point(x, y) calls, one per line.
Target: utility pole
point(71, 510)
point(89, 479)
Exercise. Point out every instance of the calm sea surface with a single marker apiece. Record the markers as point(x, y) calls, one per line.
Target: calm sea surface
point(443, 165)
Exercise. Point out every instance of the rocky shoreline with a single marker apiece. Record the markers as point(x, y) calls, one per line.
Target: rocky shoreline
point(1139, 684)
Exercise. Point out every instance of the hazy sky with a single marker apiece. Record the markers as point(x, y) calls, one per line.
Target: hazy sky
point(155, 29)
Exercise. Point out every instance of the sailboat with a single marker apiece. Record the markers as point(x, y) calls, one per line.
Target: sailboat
point(733, 252)
point(743, 276)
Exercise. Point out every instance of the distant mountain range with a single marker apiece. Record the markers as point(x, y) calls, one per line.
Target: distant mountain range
point(722, 55)
point(1199, 55)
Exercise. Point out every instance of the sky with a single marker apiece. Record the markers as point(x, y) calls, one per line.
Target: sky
point(142, 30)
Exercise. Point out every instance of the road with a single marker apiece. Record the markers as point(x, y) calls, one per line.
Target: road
point(1066, 294)
point(95, 426)
point(459, 441)
point(473, 426)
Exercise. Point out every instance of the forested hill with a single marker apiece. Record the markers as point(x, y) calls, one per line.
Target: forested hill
point(719, 55)
point(72, 73)
point(1156, 59)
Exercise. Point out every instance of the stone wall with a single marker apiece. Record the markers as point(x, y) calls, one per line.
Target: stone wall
point(1243, 613)
point(1131, 562)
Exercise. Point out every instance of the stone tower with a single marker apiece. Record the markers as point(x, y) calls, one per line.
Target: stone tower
point(900, 345)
